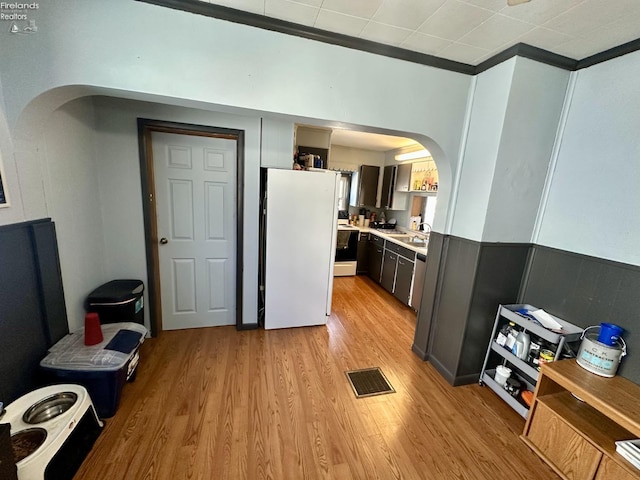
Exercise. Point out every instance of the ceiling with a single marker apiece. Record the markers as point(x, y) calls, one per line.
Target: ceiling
point(369, 141)
point(466, 31)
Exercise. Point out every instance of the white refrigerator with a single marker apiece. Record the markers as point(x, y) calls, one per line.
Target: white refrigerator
point(299, 250)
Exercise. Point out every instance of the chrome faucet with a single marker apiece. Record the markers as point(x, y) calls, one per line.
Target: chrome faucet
point(424, 223)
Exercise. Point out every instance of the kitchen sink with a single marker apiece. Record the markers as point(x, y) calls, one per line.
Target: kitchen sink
point(409, 239)
point(415, 241)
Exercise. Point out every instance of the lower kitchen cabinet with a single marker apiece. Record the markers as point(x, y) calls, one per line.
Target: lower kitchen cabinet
point(363, 254)
point(389, 270)
point(404, 276)
point(376, 254)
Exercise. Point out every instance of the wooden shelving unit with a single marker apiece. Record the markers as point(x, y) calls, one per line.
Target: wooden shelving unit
point(577, 417)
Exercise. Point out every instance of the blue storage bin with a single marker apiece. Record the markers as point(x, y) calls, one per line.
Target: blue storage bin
point(102, 369)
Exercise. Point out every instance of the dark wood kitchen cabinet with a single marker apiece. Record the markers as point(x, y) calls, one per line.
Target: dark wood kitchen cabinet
point(388, 186)
point(403, 177)
point(363, 254)
point(395, 181)
point(404, 276)
point(376, 253)
point(389, 270)
point(368, 186)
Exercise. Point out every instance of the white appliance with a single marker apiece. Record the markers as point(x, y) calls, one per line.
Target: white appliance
point(300, 240)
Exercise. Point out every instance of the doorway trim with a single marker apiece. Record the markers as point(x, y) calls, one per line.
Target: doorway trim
point(145, 128)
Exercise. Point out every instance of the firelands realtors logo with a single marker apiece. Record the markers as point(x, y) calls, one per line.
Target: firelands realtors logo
point(19, 16)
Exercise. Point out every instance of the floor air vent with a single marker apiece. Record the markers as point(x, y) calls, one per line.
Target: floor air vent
point(369, 382)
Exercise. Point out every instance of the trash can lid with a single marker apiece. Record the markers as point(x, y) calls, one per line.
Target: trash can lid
point(116, 291)
point(70, 353)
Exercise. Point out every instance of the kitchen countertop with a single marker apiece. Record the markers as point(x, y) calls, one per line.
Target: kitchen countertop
point(392, 237)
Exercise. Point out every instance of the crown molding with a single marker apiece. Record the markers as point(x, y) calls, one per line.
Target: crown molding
point(289, 28)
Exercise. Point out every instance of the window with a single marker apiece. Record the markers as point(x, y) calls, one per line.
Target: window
point(343, 191)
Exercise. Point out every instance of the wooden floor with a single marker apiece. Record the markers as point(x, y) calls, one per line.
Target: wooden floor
point(221, 404)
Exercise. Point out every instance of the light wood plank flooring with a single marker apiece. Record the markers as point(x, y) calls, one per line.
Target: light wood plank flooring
point(221, 404)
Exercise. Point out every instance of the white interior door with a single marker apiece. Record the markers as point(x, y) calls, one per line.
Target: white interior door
point(195, 185)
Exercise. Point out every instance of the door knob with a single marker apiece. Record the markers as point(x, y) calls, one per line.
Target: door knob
point(163, 241)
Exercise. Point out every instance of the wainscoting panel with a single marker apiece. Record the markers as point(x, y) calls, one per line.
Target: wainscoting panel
point(587, 291)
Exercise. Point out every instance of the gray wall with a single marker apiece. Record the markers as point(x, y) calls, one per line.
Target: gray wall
point(587, 291)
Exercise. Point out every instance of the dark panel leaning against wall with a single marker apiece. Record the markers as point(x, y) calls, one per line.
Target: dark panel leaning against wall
point(32, 311)
point(587, 291)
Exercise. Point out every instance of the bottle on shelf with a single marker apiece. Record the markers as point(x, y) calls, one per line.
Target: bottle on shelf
point(511, 336)
point(534, 350)
point(501, 338)
point(521, 347)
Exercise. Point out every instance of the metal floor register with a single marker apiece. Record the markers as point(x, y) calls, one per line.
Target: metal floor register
point(369, 382)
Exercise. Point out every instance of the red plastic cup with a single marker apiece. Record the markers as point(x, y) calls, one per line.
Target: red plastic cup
point(92, 329)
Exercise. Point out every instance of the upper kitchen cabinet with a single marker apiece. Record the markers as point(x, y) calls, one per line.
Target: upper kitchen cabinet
point(403, 177)
point(391, 197)
point(277, 139)
point(313, 141)
point(365, 189)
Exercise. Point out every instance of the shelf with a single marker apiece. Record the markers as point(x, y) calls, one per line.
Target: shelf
point(616, 397)
point(577, 416)
point(598, 429)
point(521, 365)
point(487, 379)
point(425, 192)
point(572, 334)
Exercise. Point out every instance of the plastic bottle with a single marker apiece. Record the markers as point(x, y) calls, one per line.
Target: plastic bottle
point(501, 338)
point(511, 336)
point(522, 345)
point(534, 350)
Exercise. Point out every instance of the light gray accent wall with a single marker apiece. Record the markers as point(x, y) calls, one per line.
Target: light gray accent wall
point(490, 104)
point(114, 49)
point(14, 213)
point(72, 188)
point(277, 143)
point(593, 205)
point(121, 196)
point(529, 130)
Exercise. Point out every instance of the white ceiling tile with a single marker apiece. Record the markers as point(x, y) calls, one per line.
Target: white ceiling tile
point(313, 3)
point(578, 48)
point(379, 32)
point(463, 53)
point(544, 38)
point(406, 13)
point(539, 11)
point(429, 44)
point(357, 8)
point(291, 11)
point(601, 39)
point(484, 57)
point(253, 6)
point(496, 31)
point(493, 5)
point(591, 14)
point(337, 22)
point(454, 19)
point(574, 28)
